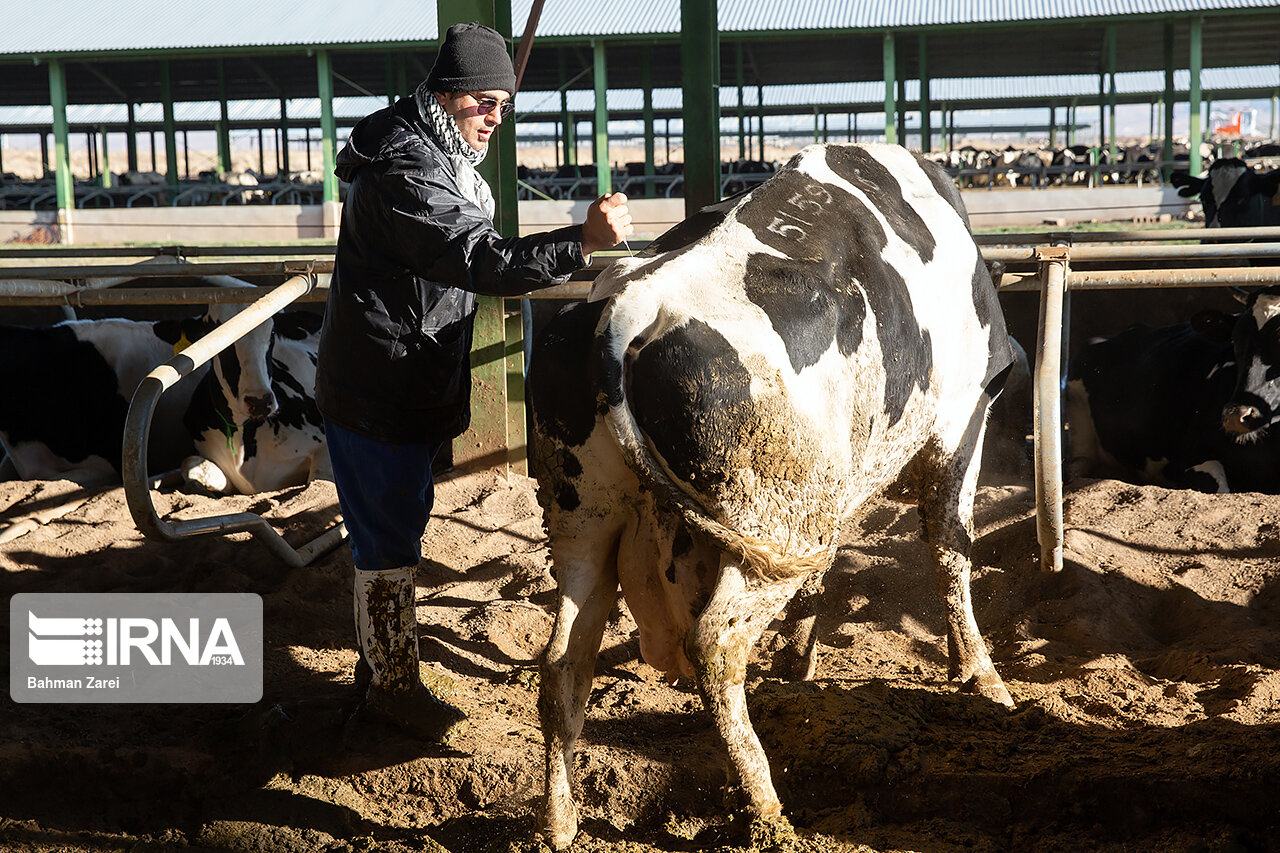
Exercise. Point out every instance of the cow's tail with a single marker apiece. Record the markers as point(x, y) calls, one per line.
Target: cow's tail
point(619, 340)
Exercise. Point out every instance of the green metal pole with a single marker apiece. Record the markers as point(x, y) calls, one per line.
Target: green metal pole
point(760, 117)
point(131, 142)
point(1166, 150)
point(282, 170)
point(742, 123)
point(926, 108)
point(566, 119)
point(646, 84)
point(61, 149)
point(817, 127)
point(890, 91)
point(170, 126)
point(105, 172)
point(496, 438)
point(224, 126)
point(1111, 90)
point(604, 171)
point(328, 128)
point(1193, 96)
point(1053, 126)
point(700, 81)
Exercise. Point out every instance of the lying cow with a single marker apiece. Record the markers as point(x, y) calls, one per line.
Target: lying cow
point(732, 396)
point(67, 391)
point(1191, 405)
point(1233, 195)
point(254, 418)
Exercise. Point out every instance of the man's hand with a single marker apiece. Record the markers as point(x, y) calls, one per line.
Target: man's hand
point(608, 223)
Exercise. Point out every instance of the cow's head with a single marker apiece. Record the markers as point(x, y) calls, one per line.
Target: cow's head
point(243, 370)
point(1232, 194)
point(240, 374)
point(1254, 405)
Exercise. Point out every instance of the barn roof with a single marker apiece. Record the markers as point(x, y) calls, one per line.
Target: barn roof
point(91, 26)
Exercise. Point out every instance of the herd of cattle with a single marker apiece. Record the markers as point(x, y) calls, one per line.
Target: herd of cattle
point(706, 423)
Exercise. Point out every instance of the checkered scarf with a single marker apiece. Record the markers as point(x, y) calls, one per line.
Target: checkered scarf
point(463, 156)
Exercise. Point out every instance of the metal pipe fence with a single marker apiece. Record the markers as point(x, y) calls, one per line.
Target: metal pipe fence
point(1048, 256)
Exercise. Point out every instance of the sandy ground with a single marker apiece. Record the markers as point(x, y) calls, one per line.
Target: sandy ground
point(1146, 677)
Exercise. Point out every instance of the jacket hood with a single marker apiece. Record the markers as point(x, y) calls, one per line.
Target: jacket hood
point(384, 135)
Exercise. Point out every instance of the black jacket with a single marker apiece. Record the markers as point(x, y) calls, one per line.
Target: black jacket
point(394, 361)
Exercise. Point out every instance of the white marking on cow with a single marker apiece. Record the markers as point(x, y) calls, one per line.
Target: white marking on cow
point(1222, 180)
point(1214, 469)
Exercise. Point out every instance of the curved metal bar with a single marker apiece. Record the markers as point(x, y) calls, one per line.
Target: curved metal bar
point(138, 429)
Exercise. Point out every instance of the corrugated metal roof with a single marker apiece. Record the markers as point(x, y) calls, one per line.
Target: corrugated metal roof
point(92, 25)
point(535, 104)
point(591, 17)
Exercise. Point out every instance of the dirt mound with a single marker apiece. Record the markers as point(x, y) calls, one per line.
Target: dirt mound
point(1146, 677)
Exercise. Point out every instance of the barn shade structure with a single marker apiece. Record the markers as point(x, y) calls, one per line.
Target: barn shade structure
point(143, 65)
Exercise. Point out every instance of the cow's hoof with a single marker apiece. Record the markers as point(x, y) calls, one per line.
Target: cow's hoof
point(990, 686)
point(771, 833)
point(558, 830)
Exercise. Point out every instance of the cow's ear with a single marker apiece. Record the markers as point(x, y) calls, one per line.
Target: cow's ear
point(190, 328)
point(1213, 325)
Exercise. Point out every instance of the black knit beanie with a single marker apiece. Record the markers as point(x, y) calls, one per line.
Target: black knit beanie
point(473, 58)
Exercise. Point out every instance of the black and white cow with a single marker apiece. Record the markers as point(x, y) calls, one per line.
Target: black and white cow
point(67, 391)
point(254, 418)
point(735, 393)
point(1233, 195)
point(1193, 405)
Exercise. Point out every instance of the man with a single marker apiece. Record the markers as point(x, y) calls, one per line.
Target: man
point(417, 243)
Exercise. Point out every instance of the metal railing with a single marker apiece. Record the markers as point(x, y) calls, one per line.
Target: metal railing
point(1044, 258)
point(300, 286)
point(137, 432)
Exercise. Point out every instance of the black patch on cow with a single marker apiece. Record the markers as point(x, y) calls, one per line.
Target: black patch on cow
point(688, 232)
point(295, 404)
point(692, 397)
point(986, 305)
point(297, 325)
point(208, 412)
point(804, 307)
point(567, 496)
point(61, 391)
point(858, 167)
point(560, 379)
point(832, 243)
point(671, 573)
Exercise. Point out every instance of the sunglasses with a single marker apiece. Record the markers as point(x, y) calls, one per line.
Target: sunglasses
point(486, 105)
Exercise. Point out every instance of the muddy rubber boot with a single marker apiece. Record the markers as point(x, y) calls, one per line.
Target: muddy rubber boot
point(387, 630)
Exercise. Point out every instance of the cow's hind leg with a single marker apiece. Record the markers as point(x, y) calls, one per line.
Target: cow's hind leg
point(588, 579)
point(946, 511)
point(739, 610)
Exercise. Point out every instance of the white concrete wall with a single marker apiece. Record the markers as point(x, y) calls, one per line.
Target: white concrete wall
point(285, 223)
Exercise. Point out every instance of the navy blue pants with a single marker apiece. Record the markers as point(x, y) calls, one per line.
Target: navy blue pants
point(386, 492)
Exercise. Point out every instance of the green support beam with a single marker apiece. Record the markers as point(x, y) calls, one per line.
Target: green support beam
point(567, 121)
point(104, 173)
point(496, 439)
point(131, 139)
point(1166, 151)
point(1194, 164)
point(890, 91)
point(328, 128)
point(224, 125)
point(61, 149)
point(646, 85)
point(700, 87)
point(604, 172)
point(1111, 91)
point(926, 107)
point(170, 126)
point(742, 129)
